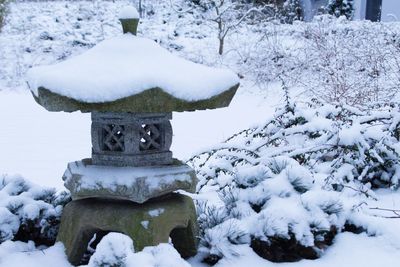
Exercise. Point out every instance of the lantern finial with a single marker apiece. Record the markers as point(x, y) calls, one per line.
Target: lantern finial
point(129, 18)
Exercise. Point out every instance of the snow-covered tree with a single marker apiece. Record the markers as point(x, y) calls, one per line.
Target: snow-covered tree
point(290, 11)
point(341, 8)
point(227, 15)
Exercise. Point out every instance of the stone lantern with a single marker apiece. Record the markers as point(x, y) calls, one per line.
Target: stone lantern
point(131, 86)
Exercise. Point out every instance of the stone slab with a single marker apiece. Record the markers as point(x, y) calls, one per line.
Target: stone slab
point(136, 184)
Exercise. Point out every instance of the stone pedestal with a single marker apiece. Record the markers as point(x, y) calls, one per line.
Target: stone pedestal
point(148, 224)
point(136, 201)
point(137, 184)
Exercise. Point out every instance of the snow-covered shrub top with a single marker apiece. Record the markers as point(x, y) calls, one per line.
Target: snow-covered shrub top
point(300, 175)
point(32, 211)
point(127, 65)
point(345, 143)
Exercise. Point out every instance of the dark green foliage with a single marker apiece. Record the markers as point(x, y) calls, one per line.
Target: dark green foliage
point(290, 11)
point(3, 12)
point(280, 249)
point(341, 8)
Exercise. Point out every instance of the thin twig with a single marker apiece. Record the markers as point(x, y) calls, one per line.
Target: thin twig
point(396, 212)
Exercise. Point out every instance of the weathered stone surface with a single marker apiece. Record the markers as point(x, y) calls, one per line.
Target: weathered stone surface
point(153, 100)
point(131, 139)
point(147, 224)
point(130, 25)
point(137, 184)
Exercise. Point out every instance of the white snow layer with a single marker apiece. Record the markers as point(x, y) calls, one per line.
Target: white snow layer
point(113, 250)
point(127, 65)
point(129, 12)
point(116, 249)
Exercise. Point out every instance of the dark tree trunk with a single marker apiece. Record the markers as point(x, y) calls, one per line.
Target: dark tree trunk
point(221, 46)
point(374, 10)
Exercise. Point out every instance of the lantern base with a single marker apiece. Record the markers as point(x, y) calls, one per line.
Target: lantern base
point(148, 224)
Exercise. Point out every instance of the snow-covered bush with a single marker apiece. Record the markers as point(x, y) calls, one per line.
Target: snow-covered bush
point(350, 145)
point(334, 59)
point(28, 211)
point(288, 186)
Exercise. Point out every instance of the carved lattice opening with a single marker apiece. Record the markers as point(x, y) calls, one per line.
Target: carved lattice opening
point(113, 138)
point(150, 137)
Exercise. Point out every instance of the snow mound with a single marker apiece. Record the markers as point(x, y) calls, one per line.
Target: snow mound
point(113, 249)
point(127, 65)
point(129, 12)
point(117, 249)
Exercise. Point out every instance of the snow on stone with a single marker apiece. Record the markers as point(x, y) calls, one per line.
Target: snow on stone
point(145, 224)
point(129, 12)
point(95, 176)
point(156, 212)
point(127, 65)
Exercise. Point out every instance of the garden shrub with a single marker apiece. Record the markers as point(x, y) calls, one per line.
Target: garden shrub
point(287, 187)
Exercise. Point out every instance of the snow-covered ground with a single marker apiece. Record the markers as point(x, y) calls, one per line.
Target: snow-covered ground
point(38, 144)
point(357, 250)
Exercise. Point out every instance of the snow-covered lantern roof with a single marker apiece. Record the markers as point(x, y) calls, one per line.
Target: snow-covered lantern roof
point(128, 73)
point(131, 85)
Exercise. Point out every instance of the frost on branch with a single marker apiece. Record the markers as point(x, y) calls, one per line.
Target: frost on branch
point(334, 59)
